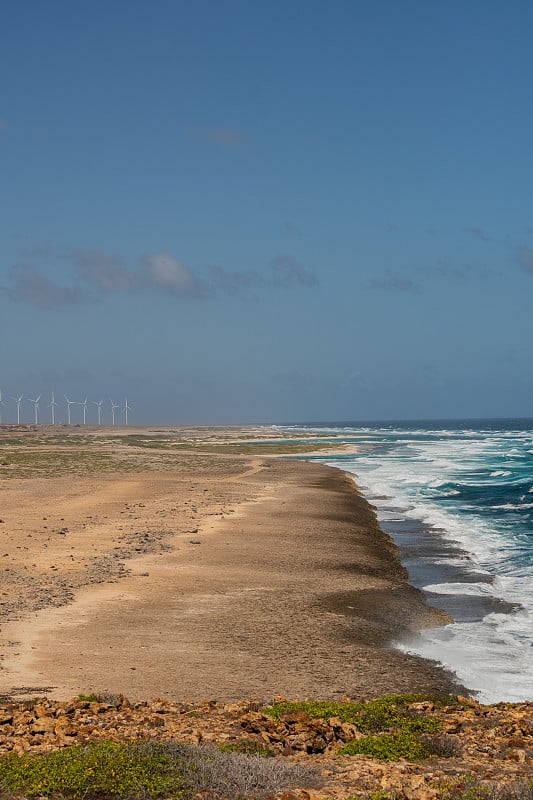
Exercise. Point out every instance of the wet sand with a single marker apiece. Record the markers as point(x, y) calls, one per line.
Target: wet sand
point(196, 575)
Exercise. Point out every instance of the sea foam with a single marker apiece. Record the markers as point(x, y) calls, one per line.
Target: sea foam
point(467, 486)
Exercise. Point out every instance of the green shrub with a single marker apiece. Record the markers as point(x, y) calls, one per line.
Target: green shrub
point(146, 771)
point(91, 771)
point(388, 747)
point(384, 714)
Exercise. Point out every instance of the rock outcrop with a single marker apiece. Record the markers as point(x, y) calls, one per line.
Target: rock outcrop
point(492, 743)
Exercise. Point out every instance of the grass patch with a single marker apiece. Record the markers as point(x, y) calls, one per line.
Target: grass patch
point(46, 462)
point(389, 747)
point(267, 448)
point(386, 713)
point(147, 771)
point(25, 463)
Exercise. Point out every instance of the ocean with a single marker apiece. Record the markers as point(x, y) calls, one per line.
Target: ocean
point(457, 498)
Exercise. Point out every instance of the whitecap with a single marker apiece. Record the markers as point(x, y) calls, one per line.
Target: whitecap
point(473, 589)
point(406, 479)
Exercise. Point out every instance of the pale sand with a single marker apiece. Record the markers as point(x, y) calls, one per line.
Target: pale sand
point(245, 577)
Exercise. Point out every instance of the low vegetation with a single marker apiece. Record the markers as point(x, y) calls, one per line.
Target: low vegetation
point(389, 746)
point(394, 729)
point(148, 770)
point(390, 728)
point(386, 713)
point(35, 453)
point(48, 462)
point(468, 787)
point(262, 448)
point(249, 746)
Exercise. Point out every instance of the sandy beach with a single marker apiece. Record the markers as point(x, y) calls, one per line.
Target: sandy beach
point(195, 564)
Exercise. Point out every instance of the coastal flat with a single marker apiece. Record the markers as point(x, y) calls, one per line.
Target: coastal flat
point(193, 564)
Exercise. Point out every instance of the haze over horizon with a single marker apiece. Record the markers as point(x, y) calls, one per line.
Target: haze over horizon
point(244, 212)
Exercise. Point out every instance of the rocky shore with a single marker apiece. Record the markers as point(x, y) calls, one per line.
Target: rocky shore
point(492, 744)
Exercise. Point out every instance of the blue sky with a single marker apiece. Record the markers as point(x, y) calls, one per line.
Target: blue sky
point(284, 211)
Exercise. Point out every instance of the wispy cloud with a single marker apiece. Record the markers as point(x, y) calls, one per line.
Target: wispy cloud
point(524, 257)
point(221, 280)
point(479, 233)
point(393, 281)
point(104, 271)
point(287, 271)
point(444, 269)
point(99, 274)
point(465, 272)
point(282, 272)
point(27, 285)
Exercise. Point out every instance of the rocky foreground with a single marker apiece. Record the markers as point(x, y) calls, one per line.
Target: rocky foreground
point(491, 743)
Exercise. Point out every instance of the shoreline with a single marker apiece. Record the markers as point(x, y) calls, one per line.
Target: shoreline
point(253, 576)
point(465, 555)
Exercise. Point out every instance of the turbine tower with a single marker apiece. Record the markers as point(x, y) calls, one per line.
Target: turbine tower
point(18, 401)
point(51, 405)
point(113, 406)
point(126, 409)
point(84, 404)
point(69, 404)
point(35, 407)
point(1, 404)
point(98, 404)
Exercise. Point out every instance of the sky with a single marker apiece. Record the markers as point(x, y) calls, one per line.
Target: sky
point(240, 212)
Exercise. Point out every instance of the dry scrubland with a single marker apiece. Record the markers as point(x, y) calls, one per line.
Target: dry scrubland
point(194, 566)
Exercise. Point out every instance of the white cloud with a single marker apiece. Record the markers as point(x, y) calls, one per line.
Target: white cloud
point(164, 271)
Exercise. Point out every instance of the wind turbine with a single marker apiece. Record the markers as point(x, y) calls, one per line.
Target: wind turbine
point(69, 403)
point(35, 407)
point(1, 404)
point(98, 404)
point(51, 405)
point(84, 404)
point(113, 406)
point(126, 409)
point(18, 401)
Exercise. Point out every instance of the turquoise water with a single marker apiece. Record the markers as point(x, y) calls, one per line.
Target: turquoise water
point(457, 497)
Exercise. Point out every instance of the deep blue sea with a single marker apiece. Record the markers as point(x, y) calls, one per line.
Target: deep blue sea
point(457, 497)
